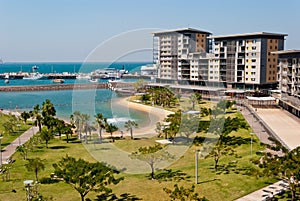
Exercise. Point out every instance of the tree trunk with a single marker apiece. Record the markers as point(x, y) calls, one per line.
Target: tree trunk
point(36, 175)
point(100, 136)
point(216, 163)
point(152, 172)
point(46, 144)
point(67, 135)
point(82, 197)
point(131, 134)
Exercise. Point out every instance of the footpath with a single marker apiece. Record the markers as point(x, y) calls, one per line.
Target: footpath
point(10, 149)
point(274, 119)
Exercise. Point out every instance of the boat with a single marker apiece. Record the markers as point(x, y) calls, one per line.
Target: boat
point(58, 81)
point(83, 77)
point(33, 76)
point(34, 67)
point(6, 81)
point(93, 80)
point(115, 80)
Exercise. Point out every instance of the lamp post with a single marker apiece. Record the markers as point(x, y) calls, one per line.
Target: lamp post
point(251, 146)
point(0, 151)
point(19, 134)
point(196, 166)
point(27, 184)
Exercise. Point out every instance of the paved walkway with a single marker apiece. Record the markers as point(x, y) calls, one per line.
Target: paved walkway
point(286, 126)
point(10, 149)
point(265, 193)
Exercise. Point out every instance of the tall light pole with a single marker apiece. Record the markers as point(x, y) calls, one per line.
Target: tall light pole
point(196, 166)
point(27, 184)
point(251, 146)
point(0, 151)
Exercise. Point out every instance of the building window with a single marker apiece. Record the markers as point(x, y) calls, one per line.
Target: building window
point(252, 79)
point(253, 66)
point(271, 41)
point(253, 60)
point(252, 73)
point(253, 48)
point(275, 47)
point(269, 59)
point(274, 60)
point(254, 41)
point(253, 54)
point(271, 47)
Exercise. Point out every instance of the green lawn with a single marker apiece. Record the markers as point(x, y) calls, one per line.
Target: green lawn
point(8, 138)
point(229, 183)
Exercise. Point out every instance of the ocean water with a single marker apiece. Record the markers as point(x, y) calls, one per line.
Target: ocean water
point(67, 101)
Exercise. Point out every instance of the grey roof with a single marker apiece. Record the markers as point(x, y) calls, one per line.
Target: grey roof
point(249, 35)
point(286, 52)
point(182, 30)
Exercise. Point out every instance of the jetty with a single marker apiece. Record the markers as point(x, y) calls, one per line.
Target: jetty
point(54, 87)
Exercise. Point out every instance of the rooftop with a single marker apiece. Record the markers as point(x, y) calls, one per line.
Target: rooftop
point(287, 52)
point(182, 30)
point(255, 34)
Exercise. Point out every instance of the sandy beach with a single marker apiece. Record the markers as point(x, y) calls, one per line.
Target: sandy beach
point(155, 115)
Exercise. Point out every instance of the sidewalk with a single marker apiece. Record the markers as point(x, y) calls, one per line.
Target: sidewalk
point(265, 193)
point(10, 149)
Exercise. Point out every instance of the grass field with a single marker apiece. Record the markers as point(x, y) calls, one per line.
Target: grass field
point(231, 181)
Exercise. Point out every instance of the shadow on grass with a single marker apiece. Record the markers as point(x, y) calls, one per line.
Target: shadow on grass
point(234, 140)
point(170, 175)
point(59, 147)
point(112, 196)
point(207, 181)
point(48, 180)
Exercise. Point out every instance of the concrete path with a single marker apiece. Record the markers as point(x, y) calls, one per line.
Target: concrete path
point(10, 149)
point(265, 193)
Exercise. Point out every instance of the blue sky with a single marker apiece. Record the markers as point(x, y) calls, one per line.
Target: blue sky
point(71, 30)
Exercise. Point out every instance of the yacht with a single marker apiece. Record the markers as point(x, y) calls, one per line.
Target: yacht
point(93, 80)
point(33, 76)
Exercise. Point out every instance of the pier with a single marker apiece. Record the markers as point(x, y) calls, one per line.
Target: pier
point(54, 87)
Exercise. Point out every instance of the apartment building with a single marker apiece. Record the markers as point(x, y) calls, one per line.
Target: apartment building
point(246, 60)
point(289, 72)
point(173, 50)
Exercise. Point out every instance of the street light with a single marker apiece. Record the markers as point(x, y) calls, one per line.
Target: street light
point(251, 146)
point(0, 152)
point(19, 134)
point(196, 166)
point(27, 184)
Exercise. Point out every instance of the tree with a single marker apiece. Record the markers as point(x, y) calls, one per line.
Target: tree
point(151, 155)
point(46, 135)
point(193, 100)
point(110, 128)
point(101, 121)
point(129, 125)
point(85, 177)
point(36, 114)
point(48, 109)
point(189, 125)
point(174, 120)
point(76, 120)
point(85, 124)
point(183, 194)
point(284, 166)
point(35, 165)
point(139, 85)
point(67, 130)
point(222, 128)
point(25, 115)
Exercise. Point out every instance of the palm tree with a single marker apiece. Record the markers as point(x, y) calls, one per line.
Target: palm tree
point(48, 108)
point(36, 114)
point(110, 128)
point(85, 124)
point(76, 120)
point(129, 125)
point(102, 122)
point(25, 115)
point(35, 165)
point(46, 135)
